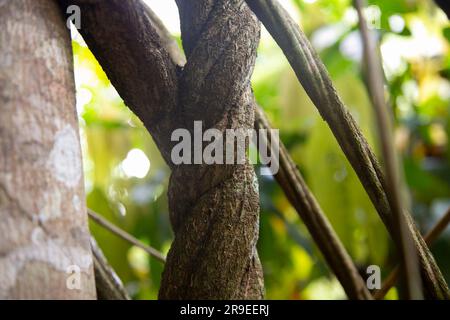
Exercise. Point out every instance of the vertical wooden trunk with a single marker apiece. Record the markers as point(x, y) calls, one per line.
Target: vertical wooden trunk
point(44, 237)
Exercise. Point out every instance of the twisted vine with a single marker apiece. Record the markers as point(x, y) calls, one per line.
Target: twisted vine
point(214, 209)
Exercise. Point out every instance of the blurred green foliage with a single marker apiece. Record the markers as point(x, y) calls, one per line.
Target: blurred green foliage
point(126, 178)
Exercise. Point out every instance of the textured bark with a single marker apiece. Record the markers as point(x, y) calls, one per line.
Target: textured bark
point(215, 217)
point(314, 77)
point(43, 227)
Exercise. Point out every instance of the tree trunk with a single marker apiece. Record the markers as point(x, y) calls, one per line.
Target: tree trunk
point(44, 239)
point(216, 217)
point(214, 208)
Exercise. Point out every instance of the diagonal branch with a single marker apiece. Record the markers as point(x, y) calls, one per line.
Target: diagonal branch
point(430, 237)
point(126, 236)
point(394, 182)
point(107, 282)
point(298, 193)
point(216, 219)
point(314, 77)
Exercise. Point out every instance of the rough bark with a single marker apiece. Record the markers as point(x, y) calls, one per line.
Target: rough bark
point(43, 227)
point(314, 77)
point(215, 218)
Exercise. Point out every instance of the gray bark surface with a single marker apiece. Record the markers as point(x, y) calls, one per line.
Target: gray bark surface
point(43, 227)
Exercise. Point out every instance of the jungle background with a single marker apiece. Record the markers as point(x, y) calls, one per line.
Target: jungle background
point(126, 178)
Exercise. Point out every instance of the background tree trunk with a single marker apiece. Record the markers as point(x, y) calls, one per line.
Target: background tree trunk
point(43, 227)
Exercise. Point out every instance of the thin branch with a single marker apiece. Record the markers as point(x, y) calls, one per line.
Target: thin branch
point(126, 236)
point(107, 282)
point(430, 237)
point(394, 183)
point(436, 231)
point(314, 77)
point(308, 209)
